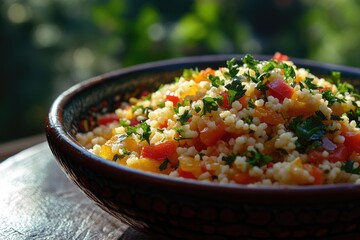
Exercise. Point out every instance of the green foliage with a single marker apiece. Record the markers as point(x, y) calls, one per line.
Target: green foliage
point(47, 46)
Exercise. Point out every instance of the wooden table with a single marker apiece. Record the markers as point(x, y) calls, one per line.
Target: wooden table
point(37, 201)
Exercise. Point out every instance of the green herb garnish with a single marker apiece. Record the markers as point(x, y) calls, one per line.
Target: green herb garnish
point(146, 131)
point(258, 159)
point(229, 160)
point(348, 167)
point(289, 72)
point(124, 123)
point(117, 156)
point(309, 131)
point(269, 66)
point(251, 103)
point(233, 68)
point(343, 87)
point(215, 81)
point(211, 104)
point(144, 110)
point(251, 62)
point(331, 98)
point(184, 118)
point(354, 115)
point(236, 90)
point(164, 164)
point(188, 73)
point(310, 85)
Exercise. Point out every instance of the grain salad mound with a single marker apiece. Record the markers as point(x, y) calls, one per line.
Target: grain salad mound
point(257, 123)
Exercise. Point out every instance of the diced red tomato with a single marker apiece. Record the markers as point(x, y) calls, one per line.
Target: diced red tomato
point(198, 144)
point(225, 104)
point(172, 98)
point(186, 174)
point(144, 94)
point(316, 172)
point(134, 121)
point(269, 165)
point(108, 118)
point(352, 141)
point(280, 90)
point(244, 178)
point(204, 169)
point(280, 57)
point(244, 100)
point(210, 136)
point(341, 153)
point(161, 151)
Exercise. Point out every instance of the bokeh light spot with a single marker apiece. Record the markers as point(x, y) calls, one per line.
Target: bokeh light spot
point(18, 13)
point(83, 58)
point(156, 32)
point(46, 35)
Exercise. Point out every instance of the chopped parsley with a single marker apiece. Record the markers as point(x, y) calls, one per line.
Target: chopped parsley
point(348, 167)
point(342, 86)
point(255, 158)
point(309, 131)
point(236, 90)
point(124, 123)
point(197, 109)
point(229, 160)
point(146, 131)
point(188, 73)
point(261, 86)
point(211, 104)
point(216, 81)
point(289, 72)
point(183, 118)
point(354, 115)
point(180, 131)
point(269, 66)
point(251, 62)
point(164, 164)
point(309, 84)
point(331, 98)
point(233, 68)
point(161, 105)
point(251, 103)
point(144, 110)
point(117, 156)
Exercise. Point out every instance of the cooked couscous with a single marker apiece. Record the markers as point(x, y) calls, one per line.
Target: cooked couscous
point(253, 122)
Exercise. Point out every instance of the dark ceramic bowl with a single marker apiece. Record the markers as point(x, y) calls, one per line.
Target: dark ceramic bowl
point(186, 209)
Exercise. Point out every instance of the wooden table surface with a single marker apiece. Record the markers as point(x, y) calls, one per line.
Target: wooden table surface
point(37, 201)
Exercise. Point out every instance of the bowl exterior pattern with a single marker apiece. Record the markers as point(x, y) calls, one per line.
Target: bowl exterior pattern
point(184, 217)
point(191, 211)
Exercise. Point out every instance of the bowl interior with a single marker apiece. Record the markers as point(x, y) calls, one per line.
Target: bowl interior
point(76, 109)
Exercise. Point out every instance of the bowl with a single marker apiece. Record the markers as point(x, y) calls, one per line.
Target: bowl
point(184, 209)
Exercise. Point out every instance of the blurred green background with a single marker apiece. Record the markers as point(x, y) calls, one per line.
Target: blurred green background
point(47, 46)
